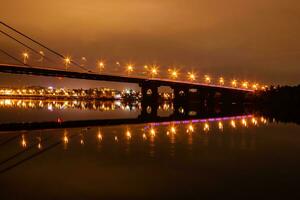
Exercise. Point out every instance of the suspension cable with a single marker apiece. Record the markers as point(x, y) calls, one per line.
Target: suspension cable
point(42, 45)
point(25, 45)
point(12, 57)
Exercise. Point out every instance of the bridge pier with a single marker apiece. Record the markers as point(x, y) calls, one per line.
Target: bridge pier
point(149, 102)
point(181, 94)
point(149, 92)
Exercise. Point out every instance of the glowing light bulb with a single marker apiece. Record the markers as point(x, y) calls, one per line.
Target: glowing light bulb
point(234, 83)
point(42, 56)
point(245, 84)
point(207, 79)
point(67, 62)
point(255, 86)
point(154, 71)
point(129, 68)
point(221, 81)
point(25, 57)
point(173, 73)
point(101, 65)
point(191, 76)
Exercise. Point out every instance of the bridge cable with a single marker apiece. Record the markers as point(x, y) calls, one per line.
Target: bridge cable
point(23, 44)
point(42, 45)
point(14, 58)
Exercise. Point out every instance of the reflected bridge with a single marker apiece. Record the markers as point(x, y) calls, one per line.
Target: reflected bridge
point(207, 115)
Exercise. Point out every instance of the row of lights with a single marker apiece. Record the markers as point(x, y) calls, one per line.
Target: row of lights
point(172, 72)
point(191, 76)
point(58, 92)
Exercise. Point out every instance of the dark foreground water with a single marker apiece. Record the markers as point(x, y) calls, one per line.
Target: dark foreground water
point(243, 156)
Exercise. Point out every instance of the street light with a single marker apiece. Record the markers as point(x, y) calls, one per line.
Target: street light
point(67, 61)
point(154, 71)
point(101, 65)
point(25, 57)
point(245, 84)
point(192, 76)
point(207, 79)
point(42, 56)
point(264, 87)
point(174, 73)
point(221, 81)
point(255, 86)
point(129, 69)
point(234, 83)
point(83, 61)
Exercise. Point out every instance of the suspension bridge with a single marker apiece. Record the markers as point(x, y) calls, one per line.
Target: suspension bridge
point(182, 89)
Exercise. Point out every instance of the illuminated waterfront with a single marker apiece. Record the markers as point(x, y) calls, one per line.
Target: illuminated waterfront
point(149, 100)
point(60, 93)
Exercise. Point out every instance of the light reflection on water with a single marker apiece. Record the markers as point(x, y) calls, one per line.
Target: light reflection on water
point(216, 156)
point(187, 132)
point(31, 110)
point(24, 110)
point(66, 104)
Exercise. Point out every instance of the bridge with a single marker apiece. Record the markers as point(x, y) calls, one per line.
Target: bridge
point(183, 90)
point(149, 86)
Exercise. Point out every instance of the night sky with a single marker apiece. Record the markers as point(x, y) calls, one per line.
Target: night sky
point(246, 39)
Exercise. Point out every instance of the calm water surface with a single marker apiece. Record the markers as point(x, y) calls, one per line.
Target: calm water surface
point(246, 156)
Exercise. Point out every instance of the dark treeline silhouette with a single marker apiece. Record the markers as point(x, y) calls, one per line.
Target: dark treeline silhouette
point(281, 103)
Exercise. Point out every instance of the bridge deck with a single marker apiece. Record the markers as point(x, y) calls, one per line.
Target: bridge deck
point(17, 69)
